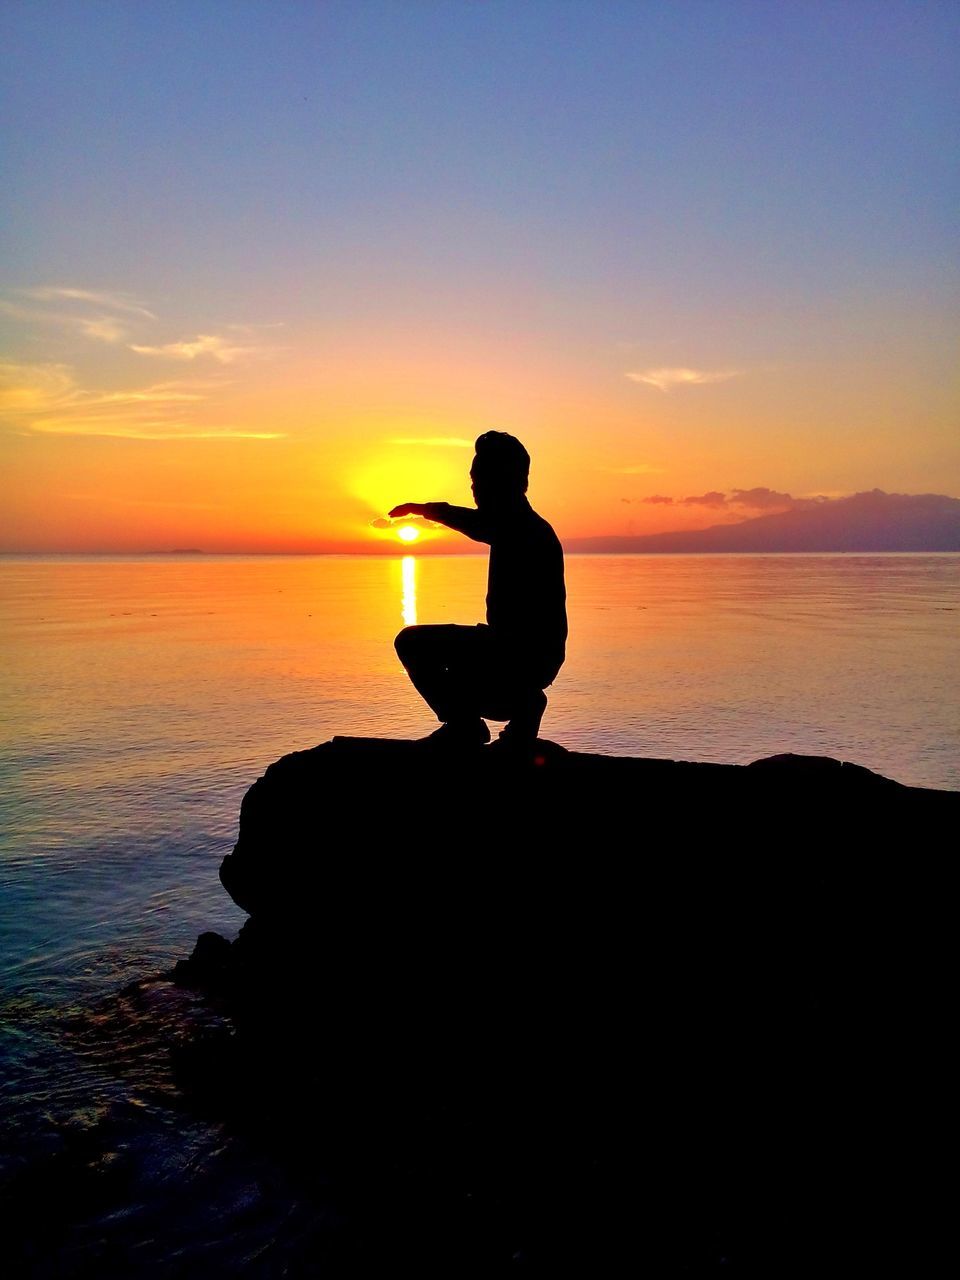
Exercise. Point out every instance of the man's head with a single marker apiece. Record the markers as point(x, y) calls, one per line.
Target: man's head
point(501, 469)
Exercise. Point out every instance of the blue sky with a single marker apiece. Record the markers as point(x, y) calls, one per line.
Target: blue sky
point(725, 186)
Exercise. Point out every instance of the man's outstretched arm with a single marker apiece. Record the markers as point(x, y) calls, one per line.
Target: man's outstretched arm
point(467, 520)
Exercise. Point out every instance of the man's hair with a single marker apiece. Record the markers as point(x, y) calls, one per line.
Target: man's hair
point(505, 455)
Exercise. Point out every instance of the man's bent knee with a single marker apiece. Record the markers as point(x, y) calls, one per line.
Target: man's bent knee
point(416, 644)
point(405, 644)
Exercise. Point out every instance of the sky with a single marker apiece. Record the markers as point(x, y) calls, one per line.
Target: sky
point(269, 269)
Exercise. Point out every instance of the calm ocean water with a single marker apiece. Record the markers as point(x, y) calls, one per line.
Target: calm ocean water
point(142, 696)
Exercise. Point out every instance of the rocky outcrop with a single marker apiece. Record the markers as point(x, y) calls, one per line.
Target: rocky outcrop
point(365, 824)
point(580, 1010)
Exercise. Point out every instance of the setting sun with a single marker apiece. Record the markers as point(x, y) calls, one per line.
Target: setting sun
point(408, 533)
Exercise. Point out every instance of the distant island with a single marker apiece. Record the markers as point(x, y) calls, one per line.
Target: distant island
point(874, 521)
point(867, 523)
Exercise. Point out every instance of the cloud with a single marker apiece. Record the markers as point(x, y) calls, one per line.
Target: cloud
point(762, 499)
point(109, 323)
point(435, 442)
point(116, 500)
point(112, 301)
point(637, 469)
point(45, 399)
point(204, 344)
point(668, 379)
point(119, 318)
point(251, 329)
point(29, 387)
point(162, 393)
point(756, 499)
point(712, 499)
point(103, 328)
point(162, 430)
point(384, 522)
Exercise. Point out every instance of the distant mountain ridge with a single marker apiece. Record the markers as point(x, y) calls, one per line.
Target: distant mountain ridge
point(873, 521)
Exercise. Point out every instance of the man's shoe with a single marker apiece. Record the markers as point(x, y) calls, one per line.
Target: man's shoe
point(523, 750)
point(459, 735)
point(515, 746)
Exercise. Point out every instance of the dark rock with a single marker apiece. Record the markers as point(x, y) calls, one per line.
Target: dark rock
point(207, 964)
point(365, 824)
point(823, 772)
point(577, 1009)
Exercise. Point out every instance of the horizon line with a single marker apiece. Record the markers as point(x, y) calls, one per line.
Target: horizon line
point(403, 553)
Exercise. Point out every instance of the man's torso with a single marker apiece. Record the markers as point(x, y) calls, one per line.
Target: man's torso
point(526, 596)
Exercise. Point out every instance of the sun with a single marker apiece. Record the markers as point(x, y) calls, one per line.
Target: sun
point(407, 533)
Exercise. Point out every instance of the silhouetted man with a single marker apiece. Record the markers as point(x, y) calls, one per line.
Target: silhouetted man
point(499, 670)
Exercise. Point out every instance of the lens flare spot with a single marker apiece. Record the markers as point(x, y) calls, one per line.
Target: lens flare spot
point(408, 533)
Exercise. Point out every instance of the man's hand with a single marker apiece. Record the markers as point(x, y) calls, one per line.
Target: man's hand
point(407, 509)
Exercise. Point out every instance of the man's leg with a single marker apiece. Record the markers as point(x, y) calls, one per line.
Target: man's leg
point(444, 663)
point(514, 692)
point(523, 727)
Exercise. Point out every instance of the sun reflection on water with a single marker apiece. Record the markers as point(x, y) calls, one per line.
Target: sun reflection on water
point(408, 574)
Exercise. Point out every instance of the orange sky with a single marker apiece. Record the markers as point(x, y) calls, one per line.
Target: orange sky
point(674, 258)
point(300, 444)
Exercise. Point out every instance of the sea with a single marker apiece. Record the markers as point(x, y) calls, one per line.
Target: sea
point(142, 696)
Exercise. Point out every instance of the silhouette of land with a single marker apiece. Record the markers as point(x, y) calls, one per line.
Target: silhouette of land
point(580, 1010)
point(873, 521)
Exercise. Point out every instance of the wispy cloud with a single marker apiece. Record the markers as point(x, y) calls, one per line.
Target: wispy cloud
point(99, 297)
point(116, 318)
point(70, 308)
point(384, 522)
point(162, 393)
point(25, 388)
point(635, 469)
point(102, 328)
point(669, 379)
point(435, 442)
point(223, 350)
point(162, 430)
point(46, 399)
